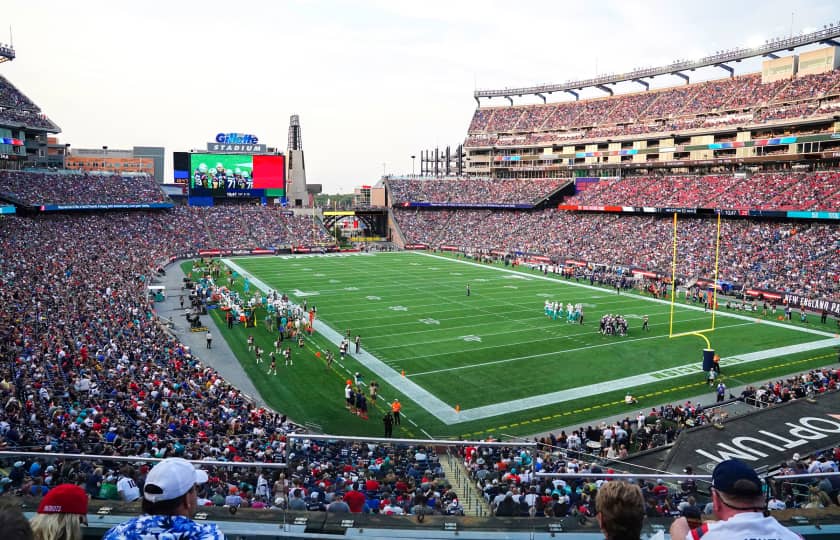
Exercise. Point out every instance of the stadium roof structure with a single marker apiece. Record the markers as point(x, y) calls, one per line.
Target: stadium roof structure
point(828, 35)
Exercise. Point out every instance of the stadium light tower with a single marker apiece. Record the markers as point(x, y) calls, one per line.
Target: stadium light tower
point(412, 164)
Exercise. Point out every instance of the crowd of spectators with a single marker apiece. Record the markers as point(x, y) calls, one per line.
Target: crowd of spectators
point(507, 475)
point(705, 104)
point(371, 478)
point(16, 108)
point(762, 191)
point(37, 188)
point(27, 119)
point(11, 97)
point(244, 227)
point(91, 370)
point(783, 256)
point(473, 190)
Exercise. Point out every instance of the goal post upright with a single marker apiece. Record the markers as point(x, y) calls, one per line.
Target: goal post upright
point(715, 284)
point(713, 303)
point(673, 278)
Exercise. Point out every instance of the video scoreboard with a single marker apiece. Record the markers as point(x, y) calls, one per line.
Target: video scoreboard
point(231, 175)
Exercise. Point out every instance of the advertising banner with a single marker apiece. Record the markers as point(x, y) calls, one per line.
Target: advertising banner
point(813, 304)
point(762, 439)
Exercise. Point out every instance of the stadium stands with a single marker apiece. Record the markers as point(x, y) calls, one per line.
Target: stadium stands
point(89, 357)
point(37, 188)
point(17, 109)
point(742, 100)
point(763, 191)
point(783, 256)
point(11, 97)
point(474, 190)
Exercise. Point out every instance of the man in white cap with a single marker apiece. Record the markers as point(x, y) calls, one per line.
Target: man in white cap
point(169, 502)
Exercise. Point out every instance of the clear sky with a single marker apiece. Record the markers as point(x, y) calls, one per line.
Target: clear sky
point(373, 81)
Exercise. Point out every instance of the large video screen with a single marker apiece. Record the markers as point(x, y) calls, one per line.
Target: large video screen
point(237, 175)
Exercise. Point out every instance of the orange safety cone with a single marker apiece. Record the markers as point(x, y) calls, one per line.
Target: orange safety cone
point(402, 372)
point(457, 407)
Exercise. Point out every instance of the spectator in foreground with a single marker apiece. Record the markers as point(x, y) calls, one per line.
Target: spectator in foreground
point(621, 510)
point(738, 502)
point(13, 524)
point(169, 502)
point(61, 514)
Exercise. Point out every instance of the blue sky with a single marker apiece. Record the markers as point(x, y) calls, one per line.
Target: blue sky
point(373, 81)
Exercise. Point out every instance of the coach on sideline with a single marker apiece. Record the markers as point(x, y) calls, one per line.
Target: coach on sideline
point(738, 503)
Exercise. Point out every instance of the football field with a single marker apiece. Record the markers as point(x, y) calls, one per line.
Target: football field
point(491, 363)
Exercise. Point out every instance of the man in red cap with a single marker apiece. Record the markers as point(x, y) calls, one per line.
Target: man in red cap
point(63, 508)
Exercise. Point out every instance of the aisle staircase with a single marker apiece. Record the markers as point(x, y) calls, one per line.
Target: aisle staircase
point(468, 494)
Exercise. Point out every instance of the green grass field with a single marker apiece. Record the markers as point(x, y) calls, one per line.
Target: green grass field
point(494, 354)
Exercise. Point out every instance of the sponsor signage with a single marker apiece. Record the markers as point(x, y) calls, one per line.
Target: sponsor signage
point(236, 148)
point(237, 138)
point(226, 252)
point(762, 439)
point(115, 206)
point(813, 304)
point(233, 143)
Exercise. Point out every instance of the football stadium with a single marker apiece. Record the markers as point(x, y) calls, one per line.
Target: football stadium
point(637, 287)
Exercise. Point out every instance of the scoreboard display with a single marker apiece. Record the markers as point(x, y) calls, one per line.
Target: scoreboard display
point(231, 175)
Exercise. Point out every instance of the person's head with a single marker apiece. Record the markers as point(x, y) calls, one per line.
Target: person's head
point(621, 510)
point(735, 489)
point(61, 514)
point(14, 524)
point(171, 488)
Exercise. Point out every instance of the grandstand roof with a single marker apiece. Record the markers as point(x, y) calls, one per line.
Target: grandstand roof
point(720, 59)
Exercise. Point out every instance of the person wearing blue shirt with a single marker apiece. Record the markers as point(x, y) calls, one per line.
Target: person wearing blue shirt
point(169, 501)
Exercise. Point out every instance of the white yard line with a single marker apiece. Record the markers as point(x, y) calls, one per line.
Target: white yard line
point(539, 355)
point(446, 412)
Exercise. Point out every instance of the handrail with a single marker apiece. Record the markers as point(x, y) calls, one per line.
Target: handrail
point(427, 442)
point(134, 459)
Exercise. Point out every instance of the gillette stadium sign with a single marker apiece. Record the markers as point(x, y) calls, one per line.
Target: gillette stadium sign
point(236, 143)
